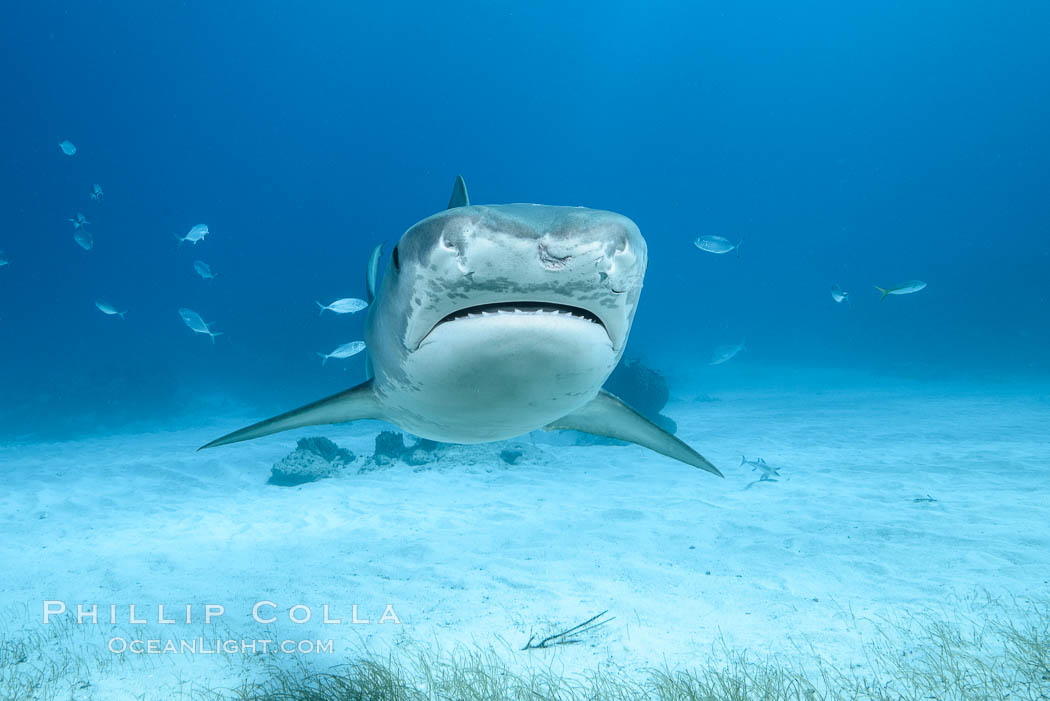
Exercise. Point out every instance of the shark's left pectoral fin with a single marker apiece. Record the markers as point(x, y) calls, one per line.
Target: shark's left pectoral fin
point(606, 415)
point(357, 403)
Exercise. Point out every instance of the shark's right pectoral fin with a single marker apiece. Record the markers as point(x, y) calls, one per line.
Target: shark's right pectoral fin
point(606, 415)
point(357, 403)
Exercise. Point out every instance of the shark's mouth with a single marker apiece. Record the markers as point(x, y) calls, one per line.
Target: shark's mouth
point(524, 309)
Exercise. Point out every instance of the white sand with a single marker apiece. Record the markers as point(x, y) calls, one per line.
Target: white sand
point(487, 553)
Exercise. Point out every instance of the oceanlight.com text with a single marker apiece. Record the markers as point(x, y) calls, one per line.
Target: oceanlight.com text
point(204, 646)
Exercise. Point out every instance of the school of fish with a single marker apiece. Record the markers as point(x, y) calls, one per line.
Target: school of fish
point(82, 236)
point(721, 245)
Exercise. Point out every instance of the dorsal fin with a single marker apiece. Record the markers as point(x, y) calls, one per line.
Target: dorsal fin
point(459, 194)
point(372, 272)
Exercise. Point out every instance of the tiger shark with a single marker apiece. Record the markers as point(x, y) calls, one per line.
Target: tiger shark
point(492, 321)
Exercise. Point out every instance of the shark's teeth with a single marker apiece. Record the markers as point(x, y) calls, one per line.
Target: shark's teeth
point(524, 309)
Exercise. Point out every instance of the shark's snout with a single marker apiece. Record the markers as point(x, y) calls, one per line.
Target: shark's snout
point(606, 253)
point(486, 260)
point(587, 248)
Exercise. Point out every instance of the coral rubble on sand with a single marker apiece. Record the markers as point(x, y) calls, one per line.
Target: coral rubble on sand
point(391, 448)
point(312, 459)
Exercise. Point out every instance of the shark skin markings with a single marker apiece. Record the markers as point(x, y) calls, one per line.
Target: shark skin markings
point(492, 321)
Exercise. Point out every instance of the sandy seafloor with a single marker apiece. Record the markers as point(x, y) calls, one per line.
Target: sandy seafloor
point(478, 552)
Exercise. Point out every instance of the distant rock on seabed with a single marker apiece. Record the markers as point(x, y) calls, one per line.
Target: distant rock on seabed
point(393, 448)
point(390, 448)
point(312, 459)
point(644, 390)
point(318, 458)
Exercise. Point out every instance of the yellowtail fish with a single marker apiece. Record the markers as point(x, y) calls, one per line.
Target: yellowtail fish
point(905, 288)
point(717, 244)
point(724, 354)
point(108, 309)
point(344, 351)
point(203, 269)
point(197, 324)
point(196, 233)
point(84, 238)
point(347, 305)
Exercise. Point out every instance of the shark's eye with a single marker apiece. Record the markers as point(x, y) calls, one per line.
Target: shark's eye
point(397, 261)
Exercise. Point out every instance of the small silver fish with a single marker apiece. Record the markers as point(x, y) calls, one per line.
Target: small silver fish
point(67, 147)
point(96, 192)
point(838, 295)
point(344, 351)
point(196, 323)
point(716, 244)
point(905, 288)
point(768, 470)
point(203, 269)
point(347, 305)
point(196, 233)
point(84, 238)
point(726, 353)
point(109, 309)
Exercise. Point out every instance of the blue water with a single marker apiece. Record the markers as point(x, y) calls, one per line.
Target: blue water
point(856, 145)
